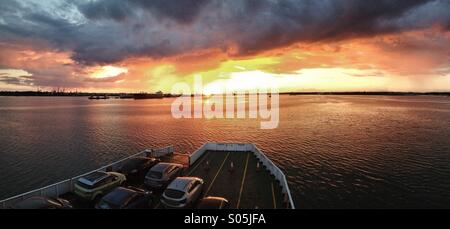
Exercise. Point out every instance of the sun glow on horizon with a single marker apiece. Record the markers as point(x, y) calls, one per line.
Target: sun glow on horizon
point(313, 79)
point(108, 71)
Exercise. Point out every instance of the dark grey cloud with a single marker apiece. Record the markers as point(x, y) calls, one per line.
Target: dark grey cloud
point(183, 11)
point(285, 22)
point(113, 9)
point(108, 31)
point(16, 80)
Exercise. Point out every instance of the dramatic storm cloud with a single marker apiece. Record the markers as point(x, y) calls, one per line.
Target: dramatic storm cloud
point(107, 32)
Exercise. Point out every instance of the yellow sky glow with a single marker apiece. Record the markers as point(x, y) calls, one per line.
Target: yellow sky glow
point(108, 71)
point(382, 63)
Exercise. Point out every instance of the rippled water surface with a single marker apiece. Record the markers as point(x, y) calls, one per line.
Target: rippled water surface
point(337, 151)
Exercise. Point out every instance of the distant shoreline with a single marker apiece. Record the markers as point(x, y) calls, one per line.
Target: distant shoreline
point(372, 93)
point(65, 94)
point(86, 94)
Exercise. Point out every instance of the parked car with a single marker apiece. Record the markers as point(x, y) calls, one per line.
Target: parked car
point(43, 202)
point(212, 202)
point(126, 198)
point(98, 184)
point(182, 192)
point(136, 168)
point(162, 174)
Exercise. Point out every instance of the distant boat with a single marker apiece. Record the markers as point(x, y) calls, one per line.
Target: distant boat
point(98, 97)
point(157, 95)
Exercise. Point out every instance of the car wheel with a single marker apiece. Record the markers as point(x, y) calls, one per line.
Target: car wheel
point(97, 198)
point(150, 202)
point(199, 197)
point(202, 192)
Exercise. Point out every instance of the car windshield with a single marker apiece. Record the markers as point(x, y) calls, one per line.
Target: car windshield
point(83, 185)
point(116, 198)
point(90, 181)
point(107, 205)
point(172, 193)
point(155, 174)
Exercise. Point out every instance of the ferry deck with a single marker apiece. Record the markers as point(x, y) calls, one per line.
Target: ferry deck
point(238, 172)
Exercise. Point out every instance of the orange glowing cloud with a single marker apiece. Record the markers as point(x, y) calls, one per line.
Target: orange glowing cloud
point(387, 62)
point(405, 61)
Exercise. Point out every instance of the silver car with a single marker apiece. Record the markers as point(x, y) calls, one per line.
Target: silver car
point(182, 192)
point(162, 174)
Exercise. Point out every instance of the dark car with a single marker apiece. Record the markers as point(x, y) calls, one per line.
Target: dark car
point(42, 202)
point(126, 198)
point(162, 174)
point(136, 168)
point(212, 202)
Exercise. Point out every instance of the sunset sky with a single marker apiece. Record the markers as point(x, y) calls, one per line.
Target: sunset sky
point(298, 45)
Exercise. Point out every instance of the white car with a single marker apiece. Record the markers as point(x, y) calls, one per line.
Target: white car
point(182, 192)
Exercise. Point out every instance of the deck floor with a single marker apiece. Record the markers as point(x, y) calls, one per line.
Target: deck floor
point(245, 186)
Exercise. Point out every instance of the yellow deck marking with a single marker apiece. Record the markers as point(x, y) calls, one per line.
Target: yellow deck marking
point(273, 197)
point(221, 166)
point(243, 181)
point(198, 164)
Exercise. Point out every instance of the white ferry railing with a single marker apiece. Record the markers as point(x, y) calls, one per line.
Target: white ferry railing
point(246, 147)
point(277, 172)
point(160, 152)
point(66, 186)
point(197, 154)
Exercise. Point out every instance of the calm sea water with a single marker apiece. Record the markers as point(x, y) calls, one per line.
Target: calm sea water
point(337, 151)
